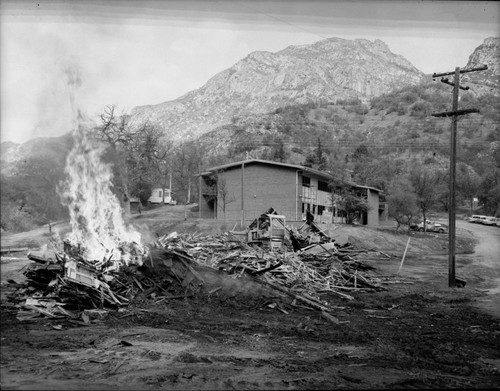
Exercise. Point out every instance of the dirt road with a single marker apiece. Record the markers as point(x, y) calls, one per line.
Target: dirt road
point(484, 264)
point(417, 333)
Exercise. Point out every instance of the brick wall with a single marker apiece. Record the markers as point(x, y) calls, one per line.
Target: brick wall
point(264, 187)
point(280, 187)
point(373, 204)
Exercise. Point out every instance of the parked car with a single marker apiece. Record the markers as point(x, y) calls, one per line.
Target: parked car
point(477, 218)
point(430, 226)
point(490, 220)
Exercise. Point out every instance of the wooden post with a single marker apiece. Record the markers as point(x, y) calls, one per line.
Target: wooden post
point(242, 194)
point(451, 196)
point(404, 255)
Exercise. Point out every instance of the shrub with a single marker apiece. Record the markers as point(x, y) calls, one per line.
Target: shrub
point(409, 97)
point(420, 108)
point(398, 108)
point(15, 219)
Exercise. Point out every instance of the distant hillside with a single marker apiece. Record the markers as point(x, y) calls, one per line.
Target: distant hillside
point(30, 173)
point(485, 82)
point(326, 71)
point(397, 124)
point(50, 149)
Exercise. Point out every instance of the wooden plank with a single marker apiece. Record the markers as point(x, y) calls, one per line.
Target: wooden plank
point(329, 317)
point(188, 279)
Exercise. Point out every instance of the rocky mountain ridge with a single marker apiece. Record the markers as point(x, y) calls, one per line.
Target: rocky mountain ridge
point(487, 81)
point(326, 71)
point(264, 81)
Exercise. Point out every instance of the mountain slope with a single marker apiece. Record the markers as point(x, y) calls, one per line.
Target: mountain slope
point(326, 71)
point(397, 125)
point(487, 81)
point(51, 149)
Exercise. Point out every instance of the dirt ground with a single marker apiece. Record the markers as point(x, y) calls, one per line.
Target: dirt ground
point(418, 333)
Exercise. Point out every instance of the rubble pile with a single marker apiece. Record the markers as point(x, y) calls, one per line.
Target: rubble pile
point(66, 287)
point(181, 265)
point(318, 268)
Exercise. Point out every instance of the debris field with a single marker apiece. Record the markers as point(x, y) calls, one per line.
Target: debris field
point(184, 265)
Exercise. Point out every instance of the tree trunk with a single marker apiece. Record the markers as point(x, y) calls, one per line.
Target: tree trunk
point(126, 202)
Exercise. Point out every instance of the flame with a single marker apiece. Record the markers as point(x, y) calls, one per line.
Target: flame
point(98, 228)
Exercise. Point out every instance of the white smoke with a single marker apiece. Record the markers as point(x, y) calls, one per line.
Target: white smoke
point(97, 225)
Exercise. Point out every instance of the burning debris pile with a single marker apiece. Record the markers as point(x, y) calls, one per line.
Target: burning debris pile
point(182, 265)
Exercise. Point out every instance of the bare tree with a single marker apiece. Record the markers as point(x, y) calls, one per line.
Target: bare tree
point(145, 161)
point(402, 202)
point(138, 152)
point(118, 135)
point(164, 156)
point(115, 129)
point(424, 183)
point(222, 192)
point(185, 164)
point(468, 182)
point(339, 168)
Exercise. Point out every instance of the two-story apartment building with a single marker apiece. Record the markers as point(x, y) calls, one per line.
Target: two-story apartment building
point(242, 191)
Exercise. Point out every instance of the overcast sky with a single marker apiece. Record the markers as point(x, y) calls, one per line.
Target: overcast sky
point(132, 53)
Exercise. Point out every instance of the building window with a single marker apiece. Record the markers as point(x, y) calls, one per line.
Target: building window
point(303, 207)
point(314, 209)
point(306, 181)
point(323, 186)
point(321, 208)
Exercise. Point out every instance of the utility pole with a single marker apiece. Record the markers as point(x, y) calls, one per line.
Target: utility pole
point(453, 158)
point(242, 195)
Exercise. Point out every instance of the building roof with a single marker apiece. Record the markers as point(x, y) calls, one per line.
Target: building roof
point(265, 162)
point(368, 187)
point(321, 174)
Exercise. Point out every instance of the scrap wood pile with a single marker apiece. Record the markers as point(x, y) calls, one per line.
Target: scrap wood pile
point(318, 268)
point(66, 286)
point(179, 266)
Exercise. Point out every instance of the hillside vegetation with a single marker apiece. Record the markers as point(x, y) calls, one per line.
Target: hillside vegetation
point(392, 143)
point(375, 142)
